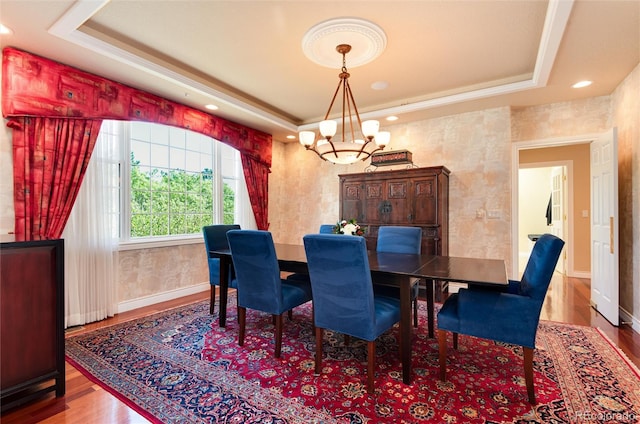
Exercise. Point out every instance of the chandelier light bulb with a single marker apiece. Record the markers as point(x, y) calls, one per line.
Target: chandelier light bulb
point(306, 138)
point(383, 138)
point(370, 128)
point(328, 128)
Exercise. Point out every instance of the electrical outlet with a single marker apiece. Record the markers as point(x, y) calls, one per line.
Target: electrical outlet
point(493, 214)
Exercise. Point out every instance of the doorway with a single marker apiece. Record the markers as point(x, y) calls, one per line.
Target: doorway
point(573, 154)
point(544, 207)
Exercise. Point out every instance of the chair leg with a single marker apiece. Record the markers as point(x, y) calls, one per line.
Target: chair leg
point(455, 341)
point(528, 373)
point(290, 314)
point(442, 349)
point(415, 312)
point(212, 299)
point(242, 319)
point(371, 361)
point(319, 337)
point(278, 334)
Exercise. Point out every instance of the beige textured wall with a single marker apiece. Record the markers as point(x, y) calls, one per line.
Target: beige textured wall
point(626, 117)
point(474, 146)
point(148, 272)
point(584, 116)
point(580, 156)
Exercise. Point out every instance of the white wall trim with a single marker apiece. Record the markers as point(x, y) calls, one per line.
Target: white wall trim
point(626, 317)
point(141, 302)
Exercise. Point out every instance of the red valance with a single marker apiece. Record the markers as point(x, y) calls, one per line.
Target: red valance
point(35, 86)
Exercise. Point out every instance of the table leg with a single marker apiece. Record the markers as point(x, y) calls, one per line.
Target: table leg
point(224, 286)
point(430, 305)
point(405, 329)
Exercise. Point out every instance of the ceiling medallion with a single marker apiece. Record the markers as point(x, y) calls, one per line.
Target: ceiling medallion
point(367, 41)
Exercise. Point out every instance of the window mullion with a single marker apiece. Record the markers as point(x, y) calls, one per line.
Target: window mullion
point(218, 185)
point(125, 181)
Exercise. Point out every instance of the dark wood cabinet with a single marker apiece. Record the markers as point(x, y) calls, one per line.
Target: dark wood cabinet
point(417, 197)
point(31, 320)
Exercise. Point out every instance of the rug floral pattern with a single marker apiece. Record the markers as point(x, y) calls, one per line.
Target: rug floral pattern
point(180, 366)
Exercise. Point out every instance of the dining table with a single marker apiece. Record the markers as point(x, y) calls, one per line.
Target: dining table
point(429, 268)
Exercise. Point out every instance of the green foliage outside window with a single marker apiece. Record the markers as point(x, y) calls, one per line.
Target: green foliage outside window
point(174, 202)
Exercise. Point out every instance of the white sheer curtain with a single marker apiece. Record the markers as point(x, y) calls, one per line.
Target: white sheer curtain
point(91, 237)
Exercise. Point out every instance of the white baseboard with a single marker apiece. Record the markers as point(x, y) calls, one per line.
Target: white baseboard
point(140, 302)
point(579, 274)
point(626, 317)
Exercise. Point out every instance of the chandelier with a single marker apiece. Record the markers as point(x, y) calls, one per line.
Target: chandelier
point(358, 139)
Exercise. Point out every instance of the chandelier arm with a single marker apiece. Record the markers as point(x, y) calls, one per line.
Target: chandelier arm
point(350, 101)
point(314, 150)
point(335, 94)
point(333, 149)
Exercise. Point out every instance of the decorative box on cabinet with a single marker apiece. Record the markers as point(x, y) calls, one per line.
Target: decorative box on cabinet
point(417, 197)
point(31, 320)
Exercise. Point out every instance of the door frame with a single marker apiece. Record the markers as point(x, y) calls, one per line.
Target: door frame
point(516, 146)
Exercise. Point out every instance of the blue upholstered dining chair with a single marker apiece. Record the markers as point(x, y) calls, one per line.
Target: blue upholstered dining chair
point(326, 229)
point(343, 297)
point(215, 238)
point(510, 315)
point(260, 286)
point(398, 239)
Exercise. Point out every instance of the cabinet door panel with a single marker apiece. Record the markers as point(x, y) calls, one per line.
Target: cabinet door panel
point(352, 202)
point(398, 197)
point(376, 206)
point(425, 201)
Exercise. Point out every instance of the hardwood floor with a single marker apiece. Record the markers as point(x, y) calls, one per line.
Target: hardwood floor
point(86, 402)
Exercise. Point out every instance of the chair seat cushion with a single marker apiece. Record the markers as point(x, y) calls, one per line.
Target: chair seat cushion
point(298, 277)
point(387, 312)
point(503, 317)
point(294, 294)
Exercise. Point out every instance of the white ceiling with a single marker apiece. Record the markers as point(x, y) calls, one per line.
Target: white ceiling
point(441, 57)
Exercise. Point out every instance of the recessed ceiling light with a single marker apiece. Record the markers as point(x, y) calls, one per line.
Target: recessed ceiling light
point(291, 137)
point(5, 30)
point(212, 107)
point(392, 118)
point(380, 85)
point(581, 84)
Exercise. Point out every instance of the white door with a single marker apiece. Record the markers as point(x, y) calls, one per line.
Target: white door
point(557, 210)
point(604, 226)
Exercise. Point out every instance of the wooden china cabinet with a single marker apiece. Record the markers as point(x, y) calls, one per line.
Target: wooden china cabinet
point(417, 197)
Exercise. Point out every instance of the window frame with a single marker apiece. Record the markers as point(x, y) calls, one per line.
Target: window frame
point(127, 242)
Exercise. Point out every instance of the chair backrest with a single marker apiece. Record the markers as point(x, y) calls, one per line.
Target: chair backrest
point(215, 236)
point(257, 270)
point(540, 267)
point(399, 239)
point(326, 229)
point(340, 283)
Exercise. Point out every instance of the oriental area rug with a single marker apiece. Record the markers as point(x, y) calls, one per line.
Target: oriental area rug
point(178, 366)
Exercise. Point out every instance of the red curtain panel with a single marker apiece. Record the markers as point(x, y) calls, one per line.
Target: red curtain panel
point(50, 157)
